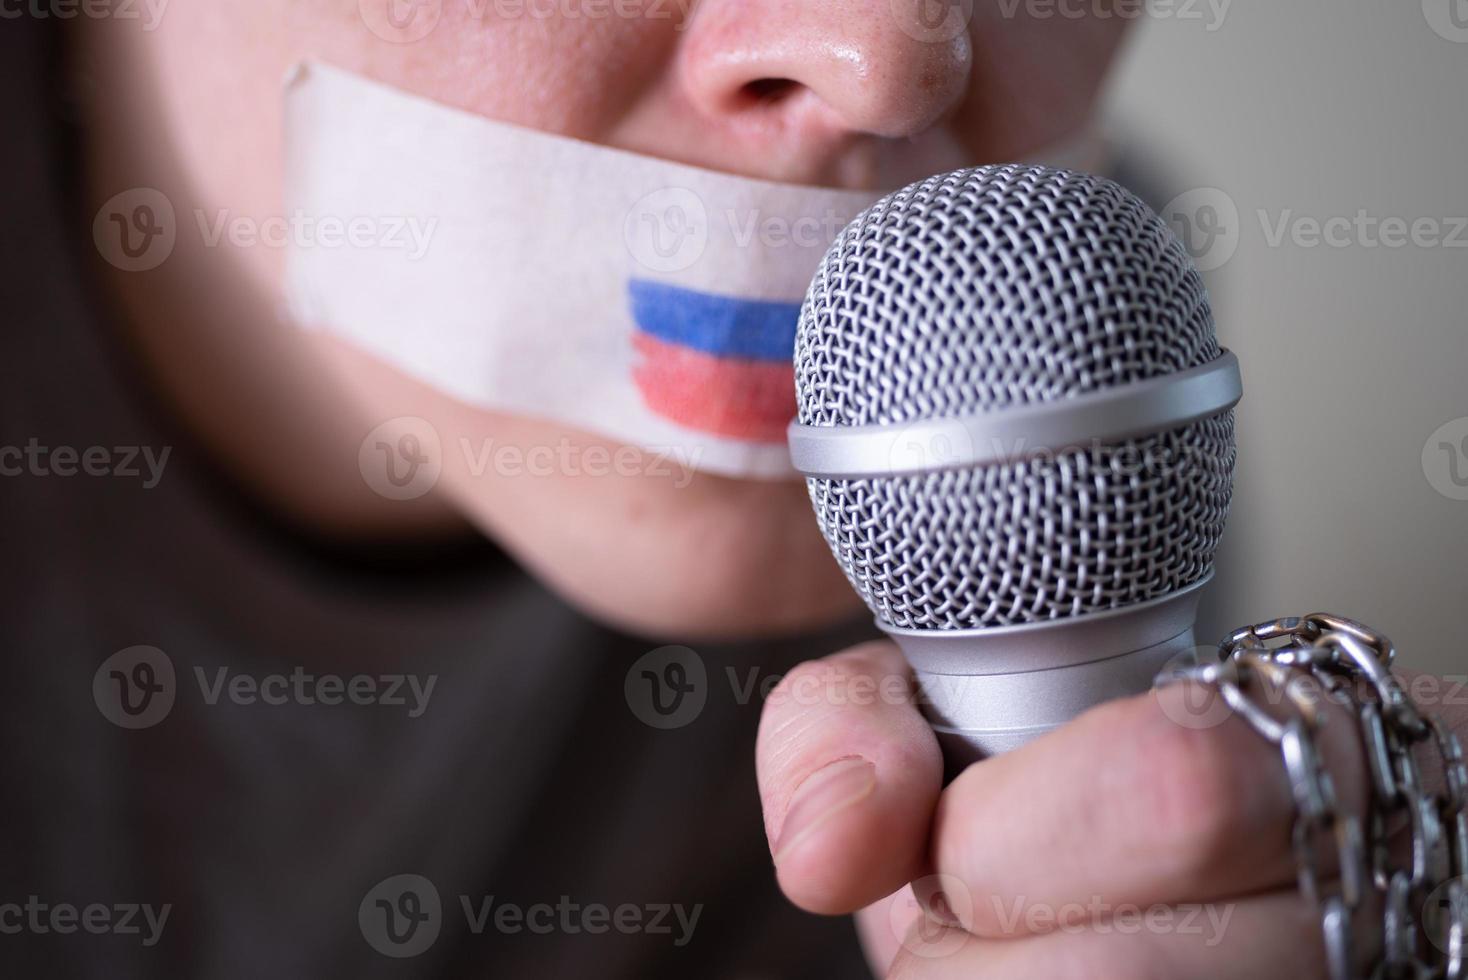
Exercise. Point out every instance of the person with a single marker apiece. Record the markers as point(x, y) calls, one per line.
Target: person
point(267, 825)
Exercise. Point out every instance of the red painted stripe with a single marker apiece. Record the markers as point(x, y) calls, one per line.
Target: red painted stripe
point(734, 397)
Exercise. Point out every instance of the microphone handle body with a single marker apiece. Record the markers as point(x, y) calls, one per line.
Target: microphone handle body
point(986, 691)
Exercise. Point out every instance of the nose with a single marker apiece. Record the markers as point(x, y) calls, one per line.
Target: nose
point(803, 67)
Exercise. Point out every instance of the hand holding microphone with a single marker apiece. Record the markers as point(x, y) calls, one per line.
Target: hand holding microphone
point(1017, 430)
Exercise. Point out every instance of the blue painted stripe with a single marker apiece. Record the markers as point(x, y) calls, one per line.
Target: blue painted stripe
point(761, 330)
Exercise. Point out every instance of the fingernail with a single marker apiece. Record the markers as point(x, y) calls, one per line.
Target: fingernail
point(822, 795)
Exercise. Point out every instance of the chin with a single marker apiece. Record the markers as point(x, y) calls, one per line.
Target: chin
point(710, 560)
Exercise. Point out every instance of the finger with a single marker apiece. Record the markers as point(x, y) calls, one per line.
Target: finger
point(849, 774)
point(882, 926)
point(1139, 801)
point(1270, 936)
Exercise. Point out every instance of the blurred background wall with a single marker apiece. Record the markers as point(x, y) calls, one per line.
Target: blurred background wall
point(1269, 118)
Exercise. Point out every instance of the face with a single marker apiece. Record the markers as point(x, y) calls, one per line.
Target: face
point(850, 93)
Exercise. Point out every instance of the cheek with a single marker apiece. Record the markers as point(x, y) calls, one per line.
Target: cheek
point(628, 537)
point(216, 72)
point(521, 62)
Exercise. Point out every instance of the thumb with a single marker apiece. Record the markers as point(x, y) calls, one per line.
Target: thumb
point(849, 776)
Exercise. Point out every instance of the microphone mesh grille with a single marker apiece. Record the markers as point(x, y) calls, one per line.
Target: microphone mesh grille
point(1006, 286)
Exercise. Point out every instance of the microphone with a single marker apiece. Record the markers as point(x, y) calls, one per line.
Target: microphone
point(1017, 431)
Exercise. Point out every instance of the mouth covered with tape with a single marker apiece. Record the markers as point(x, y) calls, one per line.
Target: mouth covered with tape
point(642, 300)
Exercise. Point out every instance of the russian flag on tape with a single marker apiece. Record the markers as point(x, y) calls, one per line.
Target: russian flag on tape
point(714, 363)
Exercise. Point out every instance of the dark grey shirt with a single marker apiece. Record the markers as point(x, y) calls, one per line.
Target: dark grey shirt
point(527, 781)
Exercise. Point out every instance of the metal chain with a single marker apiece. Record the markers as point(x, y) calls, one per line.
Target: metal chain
point(1296, 664)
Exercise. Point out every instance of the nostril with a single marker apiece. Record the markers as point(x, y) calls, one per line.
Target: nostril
point(826, 68)
point(769, 91)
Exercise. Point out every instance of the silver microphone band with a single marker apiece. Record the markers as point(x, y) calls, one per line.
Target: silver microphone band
point(1023, 432)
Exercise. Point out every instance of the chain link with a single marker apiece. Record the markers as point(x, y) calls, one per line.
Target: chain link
point(1297, 664)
